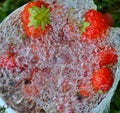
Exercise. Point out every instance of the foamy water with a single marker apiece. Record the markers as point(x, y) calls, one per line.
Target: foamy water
point(54, 63)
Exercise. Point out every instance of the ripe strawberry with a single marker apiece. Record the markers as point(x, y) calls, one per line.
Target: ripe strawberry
point(94, 25)
point(30, 90)
point(84, 93)
point(107, 57)
point(61, 108)
point(36, 19)
point(102, 79)
point(8, 61)
point(83, 89)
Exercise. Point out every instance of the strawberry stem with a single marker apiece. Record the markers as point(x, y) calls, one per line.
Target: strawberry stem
point(39, 17)
point(100, 92)
point(84, 25)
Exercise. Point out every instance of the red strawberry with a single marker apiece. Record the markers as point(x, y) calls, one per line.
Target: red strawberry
point(83, 89)
point(8, 61)
point(102, 79)
point(94, 25)
point(84, 93)
point(61, 108)
point(30, 90)
point(36, 19)
point(107, 57)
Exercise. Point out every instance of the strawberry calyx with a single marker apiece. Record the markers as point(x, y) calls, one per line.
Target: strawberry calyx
point(39, 16)
point(100, 92)
point(85, 25)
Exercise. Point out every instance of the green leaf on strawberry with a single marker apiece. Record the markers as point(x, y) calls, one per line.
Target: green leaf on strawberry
point(36, 19)
point(85, 24)
point(100, 92)
point(39, 17)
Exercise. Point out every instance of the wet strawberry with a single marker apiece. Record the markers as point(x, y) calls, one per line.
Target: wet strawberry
point(61, 108)
point(36, 19)
point(30, 90)
point(83, 89)
point(107, 57)
point(8, 61)
point(102, 79)
point(94, 25)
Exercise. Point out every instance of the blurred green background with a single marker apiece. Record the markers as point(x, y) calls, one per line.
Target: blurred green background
point(105, 6)
point(7, 6)
point(112, 7)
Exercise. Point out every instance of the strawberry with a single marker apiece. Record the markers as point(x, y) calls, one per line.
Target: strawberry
point(61, 108)
point(36, 19)
point(94, 25)
point(83, 89)
point(107, 57)
point(8, 61)
point(102, 79)
point(84, 93)
point(30, 90)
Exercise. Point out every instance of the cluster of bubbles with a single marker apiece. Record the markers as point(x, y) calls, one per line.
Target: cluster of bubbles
point(55, 63)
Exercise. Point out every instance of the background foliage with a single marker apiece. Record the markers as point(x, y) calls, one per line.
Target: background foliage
point(112, 7)
point(7, 6)
point(105, 6)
